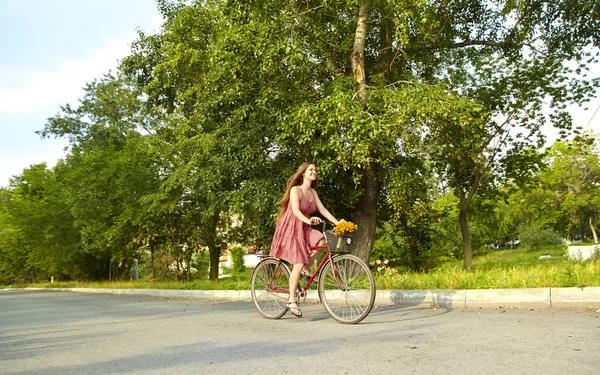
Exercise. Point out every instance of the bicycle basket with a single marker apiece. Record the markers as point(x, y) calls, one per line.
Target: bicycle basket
point(337, 243)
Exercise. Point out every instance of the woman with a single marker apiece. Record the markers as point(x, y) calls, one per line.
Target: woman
point(293, 234)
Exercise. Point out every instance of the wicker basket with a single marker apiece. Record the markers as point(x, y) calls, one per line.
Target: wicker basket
point(337, 243)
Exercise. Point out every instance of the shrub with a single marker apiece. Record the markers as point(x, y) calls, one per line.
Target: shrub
point(201, 262)
point(408, 246)
point(533, 237)
point(237, 259)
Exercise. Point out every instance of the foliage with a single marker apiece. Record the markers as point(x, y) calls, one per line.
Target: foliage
point(110, 167)
point(560, 275)
point(202, 264)
point(564, 274)
point(38, 239)
point(533, 237)
point(237, 259)
point(424, 118)
point(563, 196)
point(407, 247)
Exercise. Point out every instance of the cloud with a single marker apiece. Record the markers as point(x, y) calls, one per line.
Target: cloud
point(12, 165)
point(38, 90)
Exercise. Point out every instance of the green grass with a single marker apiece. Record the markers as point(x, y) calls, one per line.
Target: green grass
point(517, 268)
point(500, 269)
point(513, 257)
point(564, 274)
point(239, 282)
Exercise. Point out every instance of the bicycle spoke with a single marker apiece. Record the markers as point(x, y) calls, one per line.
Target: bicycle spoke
point(347, 289)
point(269, 288)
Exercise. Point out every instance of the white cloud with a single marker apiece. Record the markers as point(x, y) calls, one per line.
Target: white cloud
point(12, 165)
point(28, 96)
point(37, 90)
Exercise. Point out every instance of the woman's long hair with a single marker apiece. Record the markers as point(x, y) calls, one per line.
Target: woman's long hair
point(295, 180)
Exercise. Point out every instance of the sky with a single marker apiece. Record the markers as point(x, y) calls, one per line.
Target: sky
point(49, 49)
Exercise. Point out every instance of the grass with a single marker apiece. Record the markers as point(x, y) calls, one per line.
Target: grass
point(500, 269)
point(565, 274)
point(516, 268)
point(239, 282)
point(513, 257)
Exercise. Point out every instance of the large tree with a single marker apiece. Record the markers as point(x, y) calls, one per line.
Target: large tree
point(110, 167)
point(362, 87)
point(37, 237)
point(571, 185)
point(459, 75)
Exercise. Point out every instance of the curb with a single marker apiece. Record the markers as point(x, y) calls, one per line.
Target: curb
point(470, 298)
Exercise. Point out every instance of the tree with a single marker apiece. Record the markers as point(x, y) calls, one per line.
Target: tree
point(109, 169)
point(361, 85)
point(38, 239)
point(224, 96)
point(573, 179)
point(441, 68)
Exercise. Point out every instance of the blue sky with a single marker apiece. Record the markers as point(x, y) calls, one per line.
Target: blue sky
point(49, 49)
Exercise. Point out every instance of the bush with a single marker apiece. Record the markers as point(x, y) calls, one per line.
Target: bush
point(201, 263)
point(237, 260)
point(406, 246)
point(533, 237)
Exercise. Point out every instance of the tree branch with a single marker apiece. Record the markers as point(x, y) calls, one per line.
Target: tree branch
point(466, 43)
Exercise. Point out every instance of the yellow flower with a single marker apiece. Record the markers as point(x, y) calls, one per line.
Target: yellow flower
point(345, 227)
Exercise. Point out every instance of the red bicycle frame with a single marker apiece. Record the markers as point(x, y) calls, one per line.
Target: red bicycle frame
point(274, 288)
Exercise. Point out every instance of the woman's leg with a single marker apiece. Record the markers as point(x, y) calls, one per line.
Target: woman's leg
point(294, 279)
point(313, 256)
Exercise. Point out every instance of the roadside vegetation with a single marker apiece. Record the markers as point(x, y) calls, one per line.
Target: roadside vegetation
point(429, 138)
point(500, 269)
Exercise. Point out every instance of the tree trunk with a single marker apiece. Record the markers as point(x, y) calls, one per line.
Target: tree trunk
point(466, 236)
point(365, 214)
point(214, 254)
point(593, 228)
point(214, 247)
point(357, 59)
point(572, 227)
point(463, 208)
point(152, 262)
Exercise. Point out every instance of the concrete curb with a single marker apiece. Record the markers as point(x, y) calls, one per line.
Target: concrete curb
point(470, 298)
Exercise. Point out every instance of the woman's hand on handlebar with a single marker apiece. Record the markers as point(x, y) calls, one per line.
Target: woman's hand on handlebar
point(315, 220)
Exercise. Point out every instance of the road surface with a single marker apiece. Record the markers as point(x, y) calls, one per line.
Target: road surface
point(73, 333)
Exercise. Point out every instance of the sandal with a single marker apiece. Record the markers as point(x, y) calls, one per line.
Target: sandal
point(294, 310)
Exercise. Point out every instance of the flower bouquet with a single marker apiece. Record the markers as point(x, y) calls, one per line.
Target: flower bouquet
point(343, 230)
point(345, 227)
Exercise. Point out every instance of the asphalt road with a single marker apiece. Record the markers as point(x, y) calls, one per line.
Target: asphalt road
point(74, 333)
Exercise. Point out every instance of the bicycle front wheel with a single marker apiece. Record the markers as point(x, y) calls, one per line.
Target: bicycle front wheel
point(347, 289)
point(269, 285)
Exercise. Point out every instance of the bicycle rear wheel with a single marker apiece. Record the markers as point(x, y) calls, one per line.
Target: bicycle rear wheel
point(347, 289)
point(269, 285)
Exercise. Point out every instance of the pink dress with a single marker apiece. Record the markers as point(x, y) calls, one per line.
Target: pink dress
point(293, 237)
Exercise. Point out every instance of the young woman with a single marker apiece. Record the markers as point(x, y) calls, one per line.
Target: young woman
point(293, 233)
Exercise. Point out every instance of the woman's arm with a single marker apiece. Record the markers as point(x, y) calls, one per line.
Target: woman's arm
point(295, 202)
point(323, 210)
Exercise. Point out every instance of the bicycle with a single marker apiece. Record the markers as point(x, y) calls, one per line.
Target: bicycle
point(345, 283)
